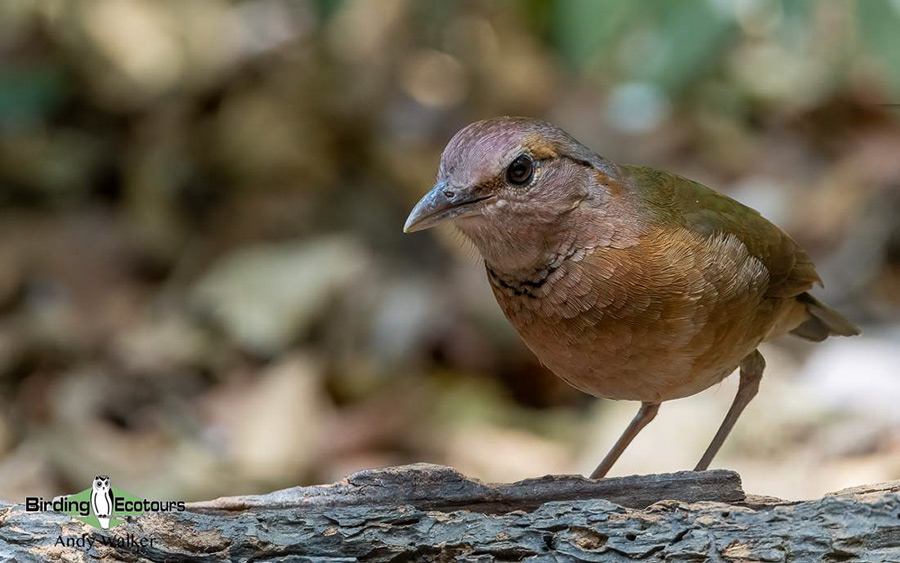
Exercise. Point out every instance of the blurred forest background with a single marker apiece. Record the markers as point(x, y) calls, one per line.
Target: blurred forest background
point(204, 287)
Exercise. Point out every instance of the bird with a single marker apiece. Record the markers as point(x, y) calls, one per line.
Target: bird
point(628, 283)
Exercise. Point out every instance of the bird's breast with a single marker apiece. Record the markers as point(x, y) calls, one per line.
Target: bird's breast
point(641, 324)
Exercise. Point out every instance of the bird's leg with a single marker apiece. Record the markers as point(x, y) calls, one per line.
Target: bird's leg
point(643, 417)
point(752, 368)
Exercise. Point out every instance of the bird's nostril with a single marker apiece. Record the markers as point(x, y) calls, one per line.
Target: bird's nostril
point(449, 193)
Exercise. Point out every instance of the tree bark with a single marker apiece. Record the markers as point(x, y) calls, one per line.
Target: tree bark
point(432, 513)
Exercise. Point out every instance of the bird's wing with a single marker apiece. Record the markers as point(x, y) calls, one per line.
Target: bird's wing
point(684, 203)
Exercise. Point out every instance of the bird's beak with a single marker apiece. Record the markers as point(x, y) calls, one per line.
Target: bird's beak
point(442, 203)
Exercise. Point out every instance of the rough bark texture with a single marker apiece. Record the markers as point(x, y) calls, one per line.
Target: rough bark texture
point(432, 513)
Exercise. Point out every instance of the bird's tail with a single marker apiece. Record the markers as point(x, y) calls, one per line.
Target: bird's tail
point(823, 321)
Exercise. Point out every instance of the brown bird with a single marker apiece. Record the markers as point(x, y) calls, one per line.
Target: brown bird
point(627, 282)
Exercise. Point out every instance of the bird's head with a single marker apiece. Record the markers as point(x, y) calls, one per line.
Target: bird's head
point(504, 181)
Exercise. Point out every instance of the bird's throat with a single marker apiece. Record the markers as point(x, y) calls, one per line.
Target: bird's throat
point(519, 256)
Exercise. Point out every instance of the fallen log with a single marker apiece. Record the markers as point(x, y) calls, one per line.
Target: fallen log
point(432, 513)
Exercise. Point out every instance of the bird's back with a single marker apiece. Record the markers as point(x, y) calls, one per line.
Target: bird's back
point(791, 273)
point(679, 202)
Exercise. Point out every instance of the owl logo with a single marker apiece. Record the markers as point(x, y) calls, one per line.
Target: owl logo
point(102, 500)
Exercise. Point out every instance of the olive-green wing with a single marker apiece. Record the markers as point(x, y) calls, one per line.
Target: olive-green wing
point(693, 206)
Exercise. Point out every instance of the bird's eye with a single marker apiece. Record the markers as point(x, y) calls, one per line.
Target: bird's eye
point(520, 171)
